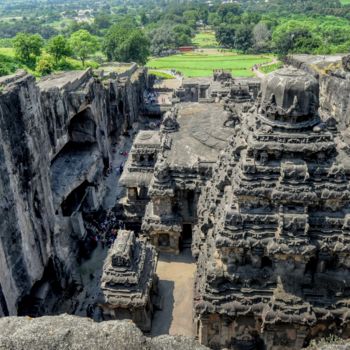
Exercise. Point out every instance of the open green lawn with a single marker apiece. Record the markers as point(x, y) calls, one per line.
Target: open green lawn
point(205, 39)
point(345, 2)
point(160, 74)
point(202, 64)
point(271, 67)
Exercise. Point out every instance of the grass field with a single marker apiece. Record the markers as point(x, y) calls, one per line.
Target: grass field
point(205, 39)
point(271, 68)
point(345, 2)
point(160, 74)
point(195, 64)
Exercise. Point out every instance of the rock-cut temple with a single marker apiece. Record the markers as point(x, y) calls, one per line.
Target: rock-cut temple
point(273, 226)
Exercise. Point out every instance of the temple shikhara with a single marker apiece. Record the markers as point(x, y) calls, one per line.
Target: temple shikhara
point(273, 236)
point(129, 283)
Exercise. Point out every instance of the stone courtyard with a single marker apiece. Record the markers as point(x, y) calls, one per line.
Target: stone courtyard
point(176, 278)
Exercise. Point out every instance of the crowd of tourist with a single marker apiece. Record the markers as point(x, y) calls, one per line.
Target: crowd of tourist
point(103, 227)
point(120, 168)
point(151, 97)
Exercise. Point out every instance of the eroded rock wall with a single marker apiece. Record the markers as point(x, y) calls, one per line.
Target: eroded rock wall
point(334, 83)
point(26, 215)
point(35, 126)
point(335, 97)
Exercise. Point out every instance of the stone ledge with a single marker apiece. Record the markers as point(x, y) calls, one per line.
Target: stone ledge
point(77, 333)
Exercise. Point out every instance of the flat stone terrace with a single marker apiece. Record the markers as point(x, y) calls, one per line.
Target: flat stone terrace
point(202, 134)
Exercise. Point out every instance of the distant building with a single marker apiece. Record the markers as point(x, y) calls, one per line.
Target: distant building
point(186, 48)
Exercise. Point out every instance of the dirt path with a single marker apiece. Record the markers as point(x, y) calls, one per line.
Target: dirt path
point(176, 277)
point(260, 74)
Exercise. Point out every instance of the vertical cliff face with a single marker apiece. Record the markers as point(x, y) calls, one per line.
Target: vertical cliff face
point(55, 140)
point(26, 224)
point(335, 97)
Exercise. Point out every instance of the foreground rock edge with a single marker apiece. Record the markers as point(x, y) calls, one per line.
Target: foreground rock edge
point(72, 332)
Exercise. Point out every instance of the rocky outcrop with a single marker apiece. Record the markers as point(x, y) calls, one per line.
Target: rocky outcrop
point(56, 138)
point(334, 79)
point(335, 97)
point(75, 333)
point(26, 225)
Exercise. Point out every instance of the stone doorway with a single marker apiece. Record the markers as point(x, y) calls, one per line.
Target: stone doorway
point(186, 236)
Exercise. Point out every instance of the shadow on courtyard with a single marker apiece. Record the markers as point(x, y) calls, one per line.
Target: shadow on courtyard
point(163, 318)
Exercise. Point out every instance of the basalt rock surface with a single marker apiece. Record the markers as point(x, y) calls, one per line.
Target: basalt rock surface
point(334, 78)
point(75, 333)
point(56, 139)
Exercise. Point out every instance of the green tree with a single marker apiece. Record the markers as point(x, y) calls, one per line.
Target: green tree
point(248, 18)
point(183, 29)
point(83, 44)
point(102, 21)
point(124, 42)
point(214, 19)
point(162, 39)
point(143, 17)
point(45, 65)
point(190, 17)
point(182, 35)
point(225, 35)
point(244, 38)
point(295, 37)
point(167, 38)
point(59, 47)
point(28, 47)
point(116, 35)
point(225, 9)
point(203, 14)
point(135, 48)
point(8, 65)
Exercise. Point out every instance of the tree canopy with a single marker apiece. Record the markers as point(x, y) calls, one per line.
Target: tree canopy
point(58, 46)
point(83, 44)
point(126, 43)
point(28, 47)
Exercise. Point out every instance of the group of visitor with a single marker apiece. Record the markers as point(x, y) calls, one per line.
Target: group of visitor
point(103, 228)
point(120, 168)
point(151, 97)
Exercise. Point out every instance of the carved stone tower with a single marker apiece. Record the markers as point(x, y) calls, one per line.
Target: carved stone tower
point(273, 234)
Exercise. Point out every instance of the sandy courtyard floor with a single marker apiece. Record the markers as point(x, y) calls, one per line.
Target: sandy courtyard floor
point(176, 277)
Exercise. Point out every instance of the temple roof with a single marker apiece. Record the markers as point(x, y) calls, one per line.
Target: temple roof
point(147, 138)
point(128, 272)
point(201, 134)
point(291, 94)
